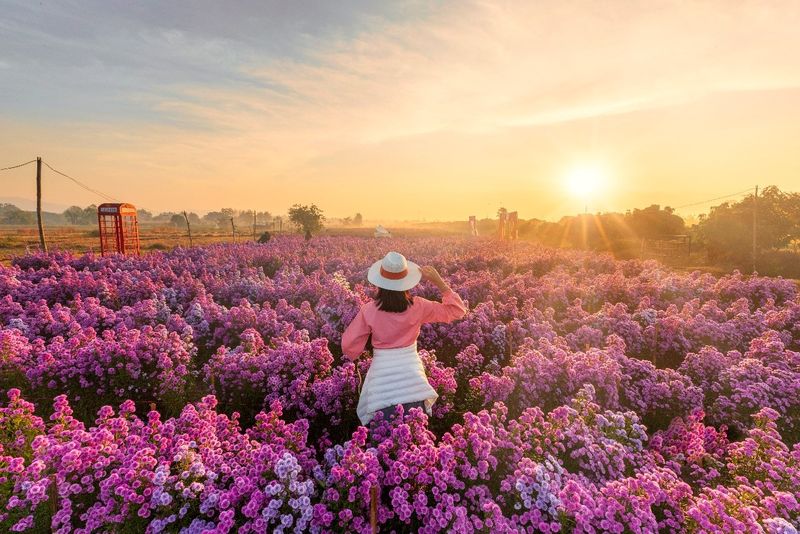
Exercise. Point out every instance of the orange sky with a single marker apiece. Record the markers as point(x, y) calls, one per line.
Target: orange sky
point(435, 113)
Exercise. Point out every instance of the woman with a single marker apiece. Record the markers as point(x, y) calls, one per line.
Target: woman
point(393, 318)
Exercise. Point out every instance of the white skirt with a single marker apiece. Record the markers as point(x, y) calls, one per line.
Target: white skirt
point(396, 376)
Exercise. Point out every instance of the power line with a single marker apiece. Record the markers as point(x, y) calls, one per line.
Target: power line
point(81, 184)
point(17, 166)
point(714, 199)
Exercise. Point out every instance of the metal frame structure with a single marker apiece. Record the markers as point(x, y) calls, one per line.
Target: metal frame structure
point(669, 249)
point(119, 229)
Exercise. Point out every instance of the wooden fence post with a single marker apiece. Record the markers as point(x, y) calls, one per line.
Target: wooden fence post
point(755, 227)
point(53, 494)
point(188, 228)
point(233, 230)
point(373, 509)
point(655, 342)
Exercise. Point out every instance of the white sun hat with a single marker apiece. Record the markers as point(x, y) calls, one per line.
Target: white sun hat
point(394, 272)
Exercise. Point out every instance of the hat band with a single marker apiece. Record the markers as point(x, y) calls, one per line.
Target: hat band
point(393, 276)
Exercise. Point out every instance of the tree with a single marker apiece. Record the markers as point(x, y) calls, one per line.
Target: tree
point(212, 218)
point(727, 231)
point(654, 222)
point(10, 214)
point(74, 214)
point(90, 214)
point(358, 220)
point(264, 217)
point(164, 217)
point(307, 218)
point(177, 220)
point(221, 218)
point(244, 218)
point(193, 218)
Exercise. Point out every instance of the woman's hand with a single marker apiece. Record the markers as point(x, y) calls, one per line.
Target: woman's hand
point(431, 274)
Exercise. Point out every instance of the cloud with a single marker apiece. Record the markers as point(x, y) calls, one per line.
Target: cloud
point(478, 67)
point(269, 98)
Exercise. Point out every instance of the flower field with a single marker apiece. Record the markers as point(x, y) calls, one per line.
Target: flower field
point(203, 390)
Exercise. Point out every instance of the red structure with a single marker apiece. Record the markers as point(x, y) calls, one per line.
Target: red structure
point(119, 229)
point(512, 229)
point(502, 223)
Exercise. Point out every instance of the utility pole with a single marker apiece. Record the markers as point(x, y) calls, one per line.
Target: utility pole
point(42, 243)
point(188, 228)
point(755, 226)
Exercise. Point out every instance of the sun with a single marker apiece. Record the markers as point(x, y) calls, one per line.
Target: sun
point(584, 180)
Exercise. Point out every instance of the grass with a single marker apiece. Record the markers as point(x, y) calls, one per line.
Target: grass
point(17, 240)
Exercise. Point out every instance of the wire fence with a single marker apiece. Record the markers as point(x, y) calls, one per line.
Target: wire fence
point(159, 237)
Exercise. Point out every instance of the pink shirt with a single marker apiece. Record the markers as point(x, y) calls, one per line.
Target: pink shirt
point(393, 330)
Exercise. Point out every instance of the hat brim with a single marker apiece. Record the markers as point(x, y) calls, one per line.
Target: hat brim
point(404, 284)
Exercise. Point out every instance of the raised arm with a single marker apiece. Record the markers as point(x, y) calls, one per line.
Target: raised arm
point(355, 336)
point(451, 307)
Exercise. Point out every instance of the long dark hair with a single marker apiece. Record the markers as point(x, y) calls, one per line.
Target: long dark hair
point(393, 301)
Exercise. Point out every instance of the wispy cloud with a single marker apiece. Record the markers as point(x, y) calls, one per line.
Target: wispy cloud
point(477, 67)
point(481, 67)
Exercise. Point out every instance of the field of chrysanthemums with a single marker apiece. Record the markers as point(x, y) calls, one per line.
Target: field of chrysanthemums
point(203, 390)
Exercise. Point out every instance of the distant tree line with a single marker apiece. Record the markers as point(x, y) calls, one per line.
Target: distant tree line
point(721, 237)
point(10, 214)
point(725, 233)
point(214, 219)
point(620, 233)
point(356, 220)
point(307, 219)
point(78, 215)
point(75, 215)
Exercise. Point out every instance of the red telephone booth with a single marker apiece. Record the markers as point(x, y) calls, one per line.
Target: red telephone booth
point(119, 229)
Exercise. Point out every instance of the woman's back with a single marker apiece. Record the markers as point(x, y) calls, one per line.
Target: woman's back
point(392, 329)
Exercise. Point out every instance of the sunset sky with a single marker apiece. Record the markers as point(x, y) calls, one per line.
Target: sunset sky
point(435, 110)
